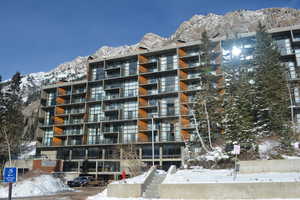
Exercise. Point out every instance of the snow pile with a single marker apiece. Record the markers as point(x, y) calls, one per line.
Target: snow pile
point(137, 179)
point(265, 149)
point(214, 155)
point(226, 176)
point(37, 186)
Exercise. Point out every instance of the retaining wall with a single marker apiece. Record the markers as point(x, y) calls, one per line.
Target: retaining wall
point(130, 190)
point(260, 166)
point(278, 190)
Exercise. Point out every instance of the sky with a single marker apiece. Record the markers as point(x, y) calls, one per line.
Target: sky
point(38, 35)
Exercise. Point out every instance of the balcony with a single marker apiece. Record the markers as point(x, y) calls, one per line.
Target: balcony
point(79, 91)
point(82, 100)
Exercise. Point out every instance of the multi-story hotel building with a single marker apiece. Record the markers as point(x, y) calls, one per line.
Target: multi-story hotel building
point(123, 100)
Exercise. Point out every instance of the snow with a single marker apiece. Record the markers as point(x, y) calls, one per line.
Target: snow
point(28, 150)
point(137, 179)
point(226, 176)
point(36, 186)
point(214, 155)
point(266, 148)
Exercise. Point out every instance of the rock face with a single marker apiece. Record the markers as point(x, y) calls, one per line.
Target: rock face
point(240, 21)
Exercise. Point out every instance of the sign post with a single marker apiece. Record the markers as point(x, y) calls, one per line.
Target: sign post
point(236, 151)
point(10, 176)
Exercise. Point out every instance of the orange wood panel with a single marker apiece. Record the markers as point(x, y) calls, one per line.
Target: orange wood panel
point(142, 59)
point(143, 113)
point(38, 165)
point(182, 63)
point(185, 134)
point(181, 52)
point(142, 137)
point(60, 100)
point(218, 70)
point(59, 110)
point(143, 102)
point(58, 120)
point(183, 85)
point(142, 125)
point(58, 131)
point(142, 69)
point(221, 92)
point(143, 80)
point(184, 98)
point(182, 74)
point(185, 122)
point(184, 110)
point(142, 91)
point(56, 141)
point(220, 82)
point(62, 91)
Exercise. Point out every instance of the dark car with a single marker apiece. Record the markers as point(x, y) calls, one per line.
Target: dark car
point(79, 181)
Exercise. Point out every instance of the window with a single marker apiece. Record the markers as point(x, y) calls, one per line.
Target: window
point(130, 88)
point(51, 99)
point(97, 73)
point(284, 46)
point(48, 135)
point(130, 110)
point(297, 52)
point(97, 93)
point(49, 117)
point(297, 95)
point(94, 135)
point(168, 62)
point(169, 84)
point(129, 133)
point(95, 114)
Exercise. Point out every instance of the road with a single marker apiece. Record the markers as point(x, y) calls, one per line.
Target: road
point(79, 194)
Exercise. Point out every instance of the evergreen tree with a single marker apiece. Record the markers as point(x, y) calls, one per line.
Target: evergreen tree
point(209, 101)
point(11, 116)
point(271, 98)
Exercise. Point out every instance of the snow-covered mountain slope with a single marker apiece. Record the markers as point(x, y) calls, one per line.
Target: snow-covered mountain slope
point(217, 25)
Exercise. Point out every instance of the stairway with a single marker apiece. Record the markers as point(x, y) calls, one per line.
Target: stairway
point(152, 190)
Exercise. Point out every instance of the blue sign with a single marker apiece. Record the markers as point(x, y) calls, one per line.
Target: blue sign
point(10, 175)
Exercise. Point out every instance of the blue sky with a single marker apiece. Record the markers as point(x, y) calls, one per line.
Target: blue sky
point(37, 35)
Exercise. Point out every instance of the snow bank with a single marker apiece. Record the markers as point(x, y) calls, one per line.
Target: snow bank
point(226, 176)
point(214, 155)
point(37, 186)
point(138, 179)
point(265, 149)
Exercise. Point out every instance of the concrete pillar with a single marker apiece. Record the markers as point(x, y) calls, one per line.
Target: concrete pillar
point(96, 170)
point(140, 153)
point(181, 153)
point(160, 155)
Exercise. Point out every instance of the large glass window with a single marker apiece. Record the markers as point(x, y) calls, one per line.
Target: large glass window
point(94, 135)
point(48, 136)
point(130, 110)
point(297, 52)
point(130, 88)
point(169, 84)
point(51, 99)
point(129, 133)
point(297, 95)
point(96, 92)
point(95, 114)
point(98, 73)
point(168, 62)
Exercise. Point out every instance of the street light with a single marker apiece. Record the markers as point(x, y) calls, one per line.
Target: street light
point(154, 115)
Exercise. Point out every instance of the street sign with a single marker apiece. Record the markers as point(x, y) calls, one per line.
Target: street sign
point(236, 149)
point(10, 175)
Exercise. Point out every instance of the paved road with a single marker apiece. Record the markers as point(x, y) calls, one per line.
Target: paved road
point(79, 194)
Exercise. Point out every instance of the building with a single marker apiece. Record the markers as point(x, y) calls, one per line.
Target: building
point(84, 122)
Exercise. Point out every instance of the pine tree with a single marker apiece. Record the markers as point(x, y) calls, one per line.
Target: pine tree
point(271, 98)
point(11, 116)
point(209, 101)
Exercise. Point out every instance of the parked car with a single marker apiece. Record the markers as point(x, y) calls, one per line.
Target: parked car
point(79, 181)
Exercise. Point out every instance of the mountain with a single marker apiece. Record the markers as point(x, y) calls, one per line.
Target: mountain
point(227, 25)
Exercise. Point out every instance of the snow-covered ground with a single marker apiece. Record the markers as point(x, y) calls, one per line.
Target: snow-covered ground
point(137, 179)
point(226, 176)
point(36, 186)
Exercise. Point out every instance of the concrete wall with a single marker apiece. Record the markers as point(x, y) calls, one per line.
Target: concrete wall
point(124, 190)
point(130, 190)
point(278, 190)
point(21, 164)
point(260, 166)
